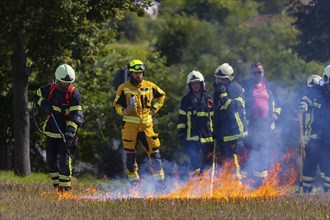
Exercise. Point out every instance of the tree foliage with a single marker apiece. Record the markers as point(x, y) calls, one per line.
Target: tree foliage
point(313, 20)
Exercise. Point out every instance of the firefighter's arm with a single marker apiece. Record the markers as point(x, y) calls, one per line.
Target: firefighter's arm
point(119, 103)
point(223, 95)
point(40, 98)
point(159, 94)
point(236, 113)
point(76, 115)
point(305, 104)
point(182, 123)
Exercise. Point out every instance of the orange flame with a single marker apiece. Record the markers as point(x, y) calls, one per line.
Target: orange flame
point(224, 186)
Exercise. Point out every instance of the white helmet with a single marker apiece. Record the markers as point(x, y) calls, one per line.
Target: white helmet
point(313, 80)
point(326, 76)
point(194, 76)
point(65, 73)
point(224, 71)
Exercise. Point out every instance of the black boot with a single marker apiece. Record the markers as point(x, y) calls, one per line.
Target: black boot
point(308, 189)
point(64, 188)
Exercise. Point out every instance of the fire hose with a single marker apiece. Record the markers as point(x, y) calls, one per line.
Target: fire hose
point(55, 122)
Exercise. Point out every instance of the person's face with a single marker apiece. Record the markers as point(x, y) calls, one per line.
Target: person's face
point(257, 73)
point(221, 81)
point(62, 85)
point(195, 86)
point(137, 76)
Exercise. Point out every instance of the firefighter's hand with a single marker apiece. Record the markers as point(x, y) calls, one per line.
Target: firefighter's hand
point(130, 110)
point(221, 89)
point(302, 107)
point(70, 135)
point(305, 140)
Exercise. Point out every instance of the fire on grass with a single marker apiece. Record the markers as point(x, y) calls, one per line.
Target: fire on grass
point(224, 185)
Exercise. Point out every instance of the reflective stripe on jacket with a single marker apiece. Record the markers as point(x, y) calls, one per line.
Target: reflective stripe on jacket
point(147, 96)
point(195, 118)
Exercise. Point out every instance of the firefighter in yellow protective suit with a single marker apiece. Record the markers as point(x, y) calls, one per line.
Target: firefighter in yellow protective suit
point(137, 100)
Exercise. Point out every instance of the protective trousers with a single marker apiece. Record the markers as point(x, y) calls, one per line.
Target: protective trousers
point(133, 132)
point(200, 155)
point(59, 162)
point(230, 154)
point(317, 153)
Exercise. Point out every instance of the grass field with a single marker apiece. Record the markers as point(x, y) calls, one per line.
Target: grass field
point(32, 197)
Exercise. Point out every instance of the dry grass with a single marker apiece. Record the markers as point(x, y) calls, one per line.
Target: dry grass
point(33, 198)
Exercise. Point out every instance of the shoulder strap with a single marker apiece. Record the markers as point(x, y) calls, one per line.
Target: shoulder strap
point(51, 90)
point(68, 94)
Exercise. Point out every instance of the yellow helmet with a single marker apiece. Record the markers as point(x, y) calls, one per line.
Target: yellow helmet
point(65, 73)
point(136, 66)
point(313, 80)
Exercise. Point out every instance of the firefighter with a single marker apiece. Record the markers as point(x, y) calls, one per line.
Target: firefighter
point(262, 111)
point(195, 123)
point(316, 108)
point(229, 116)
point(61, 101)
point(137, 100)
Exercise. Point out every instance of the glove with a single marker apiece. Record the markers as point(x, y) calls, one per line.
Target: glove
point(222, 94)
point(239, 147)
point(305, 139)
point(70, 135)
point(221, 89)
point(130, 110)
point(302, 107)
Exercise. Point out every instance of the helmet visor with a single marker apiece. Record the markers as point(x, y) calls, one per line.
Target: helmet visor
point(137, 67)
point(67, 78)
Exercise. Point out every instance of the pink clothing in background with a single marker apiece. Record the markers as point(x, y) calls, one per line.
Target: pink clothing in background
point(260, 99)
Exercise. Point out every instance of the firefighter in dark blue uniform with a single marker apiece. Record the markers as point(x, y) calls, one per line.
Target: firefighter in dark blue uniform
point(316, 108)
point(195, 123)
point(229, 116)
point(61, 100)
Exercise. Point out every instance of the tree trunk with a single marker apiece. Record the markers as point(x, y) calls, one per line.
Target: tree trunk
point(22, 164)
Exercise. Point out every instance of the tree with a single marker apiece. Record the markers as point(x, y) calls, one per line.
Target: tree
point(45, 34)
point(312, 19)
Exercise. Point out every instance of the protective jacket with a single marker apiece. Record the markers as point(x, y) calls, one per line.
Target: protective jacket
point(143, 94)
point(195, 118)
point(66, 107)
point(229, 114)
point(309, 104)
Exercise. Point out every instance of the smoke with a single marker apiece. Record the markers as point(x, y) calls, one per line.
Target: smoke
point(266, 147)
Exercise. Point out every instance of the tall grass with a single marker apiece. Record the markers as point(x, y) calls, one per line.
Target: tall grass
point(33, 198)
